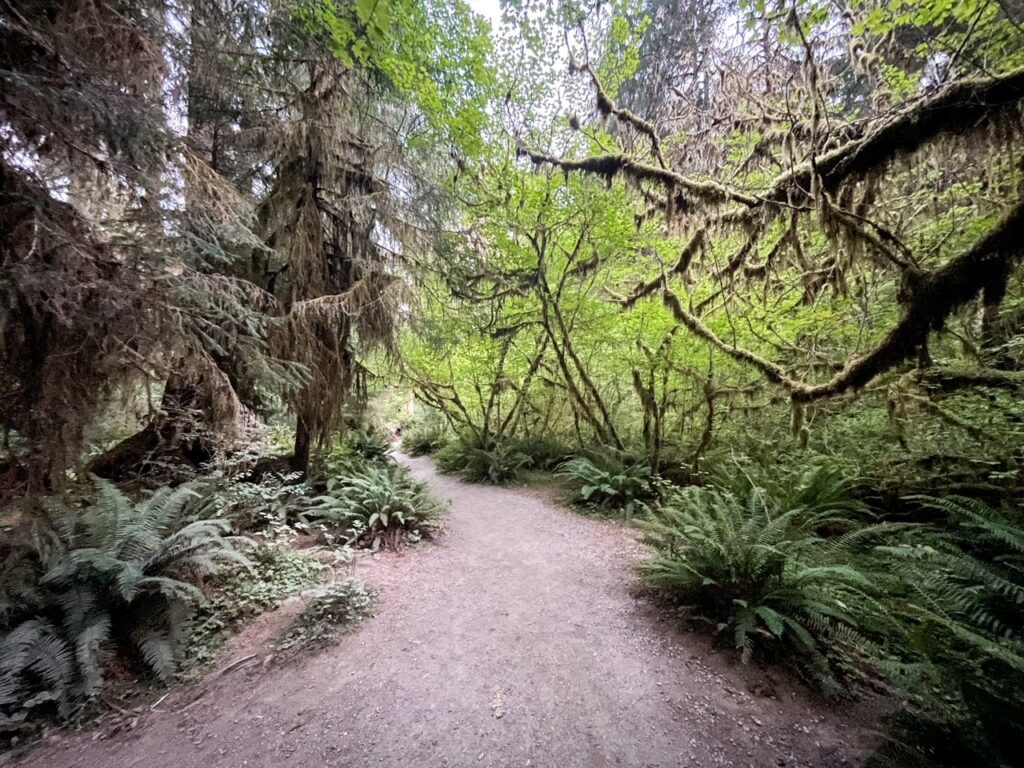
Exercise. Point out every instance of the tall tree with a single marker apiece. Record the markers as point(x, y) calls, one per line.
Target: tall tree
point(365, 91)
point(107, 282)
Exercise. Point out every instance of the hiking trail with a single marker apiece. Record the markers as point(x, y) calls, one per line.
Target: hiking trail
point(515, 639)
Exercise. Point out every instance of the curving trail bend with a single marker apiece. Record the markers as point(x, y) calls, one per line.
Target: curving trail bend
point(514, 640)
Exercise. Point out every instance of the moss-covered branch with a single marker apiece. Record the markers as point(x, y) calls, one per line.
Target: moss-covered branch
point(963, 106)
point(929, 299)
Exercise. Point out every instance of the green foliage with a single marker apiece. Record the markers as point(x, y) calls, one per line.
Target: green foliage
point(498, 463)
point(451, 456)
point(276, 572)
point(686, 283)
point(368, 443)
point(809, 483)
point(935, 608)
point(332, 611)
point(762, 573)
point(269, 505)
point(615, 485)
point(545, 452)
point(424, 436)
point(490, 461)
point(83, 581)
point(821, 488)
point(374, 505)
point(436, 54)
point(959, 593)
point(37, 670)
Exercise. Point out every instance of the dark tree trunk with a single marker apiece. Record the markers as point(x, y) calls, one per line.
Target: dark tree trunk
point(174, 435)
point(303, 447)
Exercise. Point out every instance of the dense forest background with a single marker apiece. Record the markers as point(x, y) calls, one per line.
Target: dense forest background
point(745, 272)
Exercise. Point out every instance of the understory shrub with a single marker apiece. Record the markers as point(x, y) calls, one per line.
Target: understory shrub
point(451, 456)
point(331, 612)
point(483, 459)
point(958, 591)
point(936, 610)
point(276, 572)
point(83, 582)
point(367, 443)
point(812, 484)
point(269, 505)
point(609, 485)
point(545, 452)
point(424, 436)
point(762, 573)
point(375, 505)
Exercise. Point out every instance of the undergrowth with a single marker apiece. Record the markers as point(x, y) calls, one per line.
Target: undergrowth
point(483, 459)
point(959, 594)
point(608, 484)
point(424, 436)
point(760, 572)
point(929, 604)
point(374, 505)
point(87, 579)
point(329, 614)
point(369, 444)
point(276, 573)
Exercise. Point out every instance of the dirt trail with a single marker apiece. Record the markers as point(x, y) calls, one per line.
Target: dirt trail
point(515, 640)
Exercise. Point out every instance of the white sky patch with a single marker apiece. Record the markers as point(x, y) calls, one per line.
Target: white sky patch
point(489, 9)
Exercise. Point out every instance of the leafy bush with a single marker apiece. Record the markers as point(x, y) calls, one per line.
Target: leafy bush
point(960, 596)
point(487, 460)
point(820, 488)
point(762, 573)
point(545, 452)
point(451, 456)
point(812, 483)
point(84, 581)
point(615, 486)
point(37, 669)
point(369, 443)
point(498, 464)
point(268, 505)
point(424, 437)
point(377, 505)
point(275, 573)
point(330, 613)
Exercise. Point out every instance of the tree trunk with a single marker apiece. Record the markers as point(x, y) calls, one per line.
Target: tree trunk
point(303, 447)
point(175, 434)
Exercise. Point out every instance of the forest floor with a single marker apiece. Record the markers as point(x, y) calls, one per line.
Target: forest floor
point(518, 638)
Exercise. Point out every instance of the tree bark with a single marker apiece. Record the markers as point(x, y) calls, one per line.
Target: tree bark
point(303, 447)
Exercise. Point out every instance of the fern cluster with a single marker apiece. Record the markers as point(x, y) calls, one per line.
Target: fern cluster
point(367, 443)
point(609, 485)
point(375, 505)
point(424, 437)
point(935, 608)
point(545, 452)
point(761, 572)
point(81, 582)
point(958, 589)
point(270, 504)
point(499, 460)
point(483, 459)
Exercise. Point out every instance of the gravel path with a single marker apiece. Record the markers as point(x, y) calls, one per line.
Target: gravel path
point(515, 640)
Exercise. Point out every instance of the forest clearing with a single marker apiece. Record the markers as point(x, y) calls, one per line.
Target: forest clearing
point(512, 383)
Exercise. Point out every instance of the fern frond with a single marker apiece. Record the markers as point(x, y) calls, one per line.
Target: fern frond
point(157, 648)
